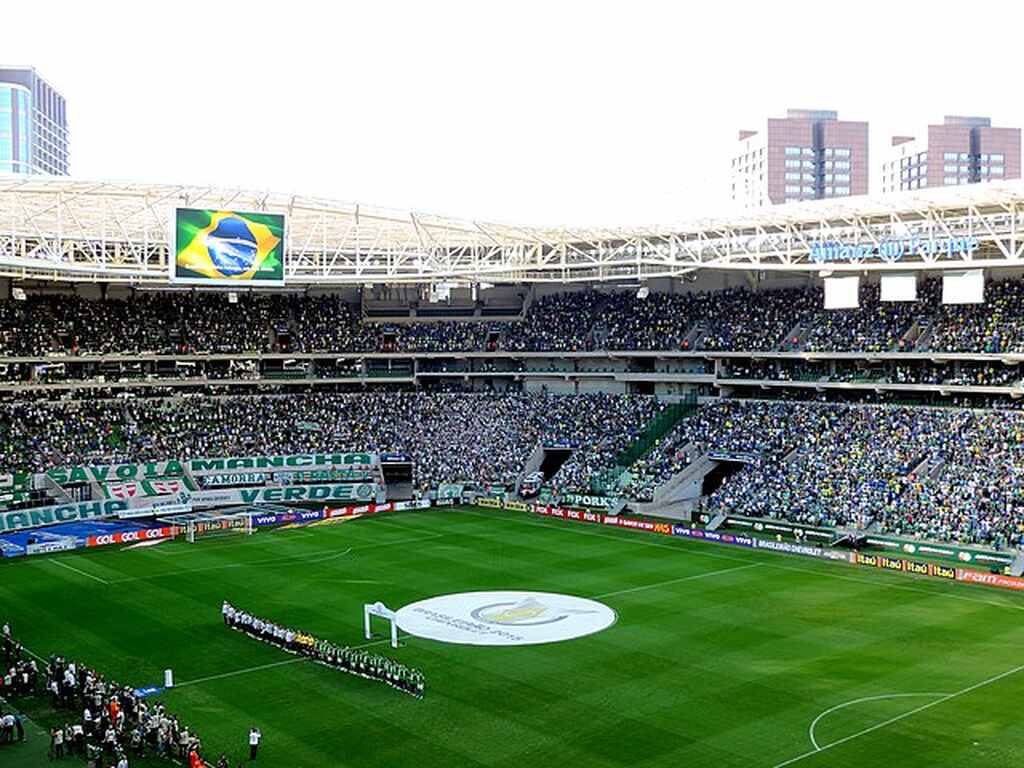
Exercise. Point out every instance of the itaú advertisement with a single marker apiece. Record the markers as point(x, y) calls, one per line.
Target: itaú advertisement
point(128, 537)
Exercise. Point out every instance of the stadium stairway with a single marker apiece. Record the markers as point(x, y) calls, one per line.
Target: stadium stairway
point(1017, 567)
point(716, 522)
point(677, 497)
point(532, 465)
point(697, 332)
point(794, 340)
point(923, 331)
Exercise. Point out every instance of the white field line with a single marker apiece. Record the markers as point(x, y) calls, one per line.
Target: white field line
point(322, 556)
point(852, 702)
point(694, 577)
point(80, 572)
point(825, 572)
point(904, 716)
point(296, 660)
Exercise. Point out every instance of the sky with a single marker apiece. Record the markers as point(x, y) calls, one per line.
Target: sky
point(534, 113)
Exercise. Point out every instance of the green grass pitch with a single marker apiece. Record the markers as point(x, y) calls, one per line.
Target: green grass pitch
point(720, 657)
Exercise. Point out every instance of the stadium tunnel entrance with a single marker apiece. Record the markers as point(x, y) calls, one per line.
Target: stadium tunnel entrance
point(553, 460)
point(721, 472)
point(397, 474)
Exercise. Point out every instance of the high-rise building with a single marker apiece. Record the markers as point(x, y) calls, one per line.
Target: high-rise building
point(807, 155)
point(33, 124)
point(963, 150)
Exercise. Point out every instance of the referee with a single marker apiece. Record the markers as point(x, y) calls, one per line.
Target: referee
point(254, 742)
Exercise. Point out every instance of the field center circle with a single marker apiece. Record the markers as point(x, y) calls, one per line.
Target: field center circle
point(504, 618)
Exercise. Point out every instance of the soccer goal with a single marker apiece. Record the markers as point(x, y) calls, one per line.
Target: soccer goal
point(381, 611)
point(222, 525)
point(202, 525)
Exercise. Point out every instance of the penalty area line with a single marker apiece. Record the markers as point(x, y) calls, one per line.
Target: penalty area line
point(904, 716)
point(80, 572)
point(864, 700)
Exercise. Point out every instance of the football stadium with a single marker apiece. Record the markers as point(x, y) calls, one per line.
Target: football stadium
point(318, 484)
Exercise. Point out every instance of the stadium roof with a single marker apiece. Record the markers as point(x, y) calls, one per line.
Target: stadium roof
point(73, 229)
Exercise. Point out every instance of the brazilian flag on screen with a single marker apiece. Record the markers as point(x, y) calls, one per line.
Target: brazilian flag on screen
point(228, 247)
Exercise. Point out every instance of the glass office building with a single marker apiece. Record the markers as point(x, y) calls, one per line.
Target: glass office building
point(33, 124)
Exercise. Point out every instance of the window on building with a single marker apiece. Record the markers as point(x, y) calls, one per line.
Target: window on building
point(997, 170)
point(792, 150)
point(842, 191)
point(949, 156)
point(792, 190)
point(842, 152)
point(997, 158)
point(792, 163)
point(792, 176)
point(949, 181)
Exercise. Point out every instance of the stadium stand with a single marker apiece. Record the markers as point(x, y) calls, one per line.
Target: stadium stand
point(449, 437)
point(806, 460)
point(731, 320)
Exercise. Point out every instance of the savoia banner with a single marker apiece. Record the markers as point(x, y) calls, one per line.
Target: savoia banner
point(157, 470)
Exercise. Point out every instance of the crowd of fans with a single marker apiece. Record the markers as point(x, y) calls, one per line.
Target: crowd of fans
point(457, 437)
point(950, 474)
point(106, 723)
point(735, 319)
point(752, 431)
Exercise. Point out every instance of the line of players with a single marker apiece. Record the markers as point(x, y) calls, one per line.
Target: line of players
point(354, 661)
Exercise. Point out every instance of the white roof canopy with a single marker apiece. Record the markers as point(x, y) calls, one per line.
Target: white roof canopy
point(72, 229)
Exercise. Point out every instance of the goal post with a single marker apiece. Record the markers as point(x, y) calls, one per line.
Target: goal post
point(204, 526)
point(381, 611)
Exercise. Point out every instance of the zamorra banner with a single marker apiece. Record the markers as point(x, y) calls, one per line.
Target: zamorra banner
point(156, 470)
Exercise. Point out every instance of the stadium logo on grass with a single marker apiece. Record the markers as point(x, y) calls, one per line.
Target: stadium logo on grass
point(504, 618)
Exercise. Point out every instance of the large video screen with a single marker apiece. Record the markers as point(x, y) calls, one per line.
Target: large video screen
point(228, 248)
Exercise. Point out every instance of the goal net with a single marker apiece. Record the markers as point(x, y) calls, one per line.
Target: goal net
point(205, 525)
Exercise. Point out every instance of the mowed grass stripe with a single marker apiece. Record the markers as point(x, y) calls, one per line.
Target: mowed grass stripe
point(724, 670)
